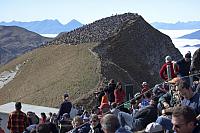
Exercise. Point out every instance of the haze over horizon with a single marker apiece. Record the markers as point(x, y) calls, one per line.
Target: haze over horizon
point(87, 12)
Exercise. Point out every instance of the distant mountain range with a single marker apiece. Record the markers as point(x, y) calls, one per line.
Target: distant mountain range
point(196, 45)
point(46, 26)
point(49, 26)
point(177, 26)
point(194, 35)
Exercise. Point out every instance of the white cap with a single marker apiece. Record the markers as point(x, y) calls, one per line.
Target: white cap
point(168, 58)
point(144, 83)
point(153, 127)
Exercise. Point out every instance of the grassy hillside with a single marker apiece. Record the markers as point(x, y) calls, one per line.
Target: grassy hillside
point(51, 71)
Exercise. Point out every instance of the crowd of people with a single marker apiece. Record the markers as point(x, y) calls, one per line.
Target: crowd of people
point(171, 106)
point(95, 32)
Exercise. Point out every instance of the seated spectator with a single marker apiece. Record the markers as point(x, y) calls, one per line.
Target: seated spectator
point(138, 98)
point(95, 124)
point(86, 119)
point(46, 128)
point(65, 123)
point(95, 110)
point(184, 120)
point(49, 118)
point(144, 88)
point(30, 128)
point(134, 106)
point(110, 124)
point(79, 126)
point(33, 118)
point(114, 110)
point(141, 118)
point(65, 119)
point(43, 118)
point(85, 114)
point(190, 99)
point(160, 89)
point(54, 118)
point(154, 128)
point(104, 108)
point(145, 101)
point(170, 99)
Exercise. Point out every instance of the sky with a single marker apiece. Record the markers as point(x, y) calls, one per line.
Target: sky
point(88, 11)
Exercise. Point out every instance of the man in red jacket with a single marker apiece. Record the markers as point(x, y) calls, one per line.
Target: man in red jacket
point(168, 70)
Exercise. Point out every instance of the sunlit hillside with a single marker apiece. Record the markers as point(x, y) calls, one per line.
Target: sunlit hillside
point(46, 73)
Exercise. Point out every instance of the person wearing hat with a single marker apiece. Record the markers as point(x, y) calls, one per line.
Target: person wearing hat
point(17, 120)
point(184, 65)
point(65, 106)
point(144, 88)
point(1, 129)
point(154, 128)
point(168, 70)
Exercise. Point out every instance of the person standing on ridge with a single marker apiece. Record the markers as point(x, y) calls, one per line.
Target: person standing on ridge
point(168, 70)
point(65, 106)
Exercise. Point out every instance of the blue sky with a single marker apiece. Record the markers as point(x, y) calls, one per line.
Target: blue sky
point(87, 11)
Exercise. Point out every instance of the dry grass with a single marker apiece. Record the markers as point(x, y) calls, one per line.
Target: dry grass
point(51, 71)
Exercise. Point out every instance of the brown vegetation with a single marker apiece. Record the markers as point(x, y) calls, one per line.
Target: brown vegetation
point(51, 71)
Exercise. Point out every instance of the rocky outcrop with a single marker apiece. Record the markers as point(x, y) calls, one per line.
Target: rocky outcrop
point(131, 52)
point(131, 49)
point(95, 32)
point(136, 53)
point(15, 41)
point(196, 60)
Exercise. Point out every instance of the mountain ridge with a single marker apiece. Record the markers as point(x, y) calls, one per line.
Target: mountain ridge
point(123, 47)
point(47, 26)
point(177, 25)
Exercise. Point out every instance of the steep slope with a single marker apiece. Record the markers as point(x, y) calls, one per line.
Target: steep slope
point(15, 41)
point(135, 53)
point(46, 73)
